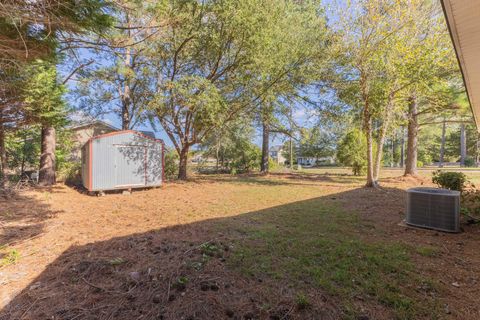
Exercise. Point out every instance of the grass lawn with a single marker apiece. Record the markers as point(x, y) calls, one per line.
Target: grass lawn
point(313, 244)
point(473, 174)
point(319, 245)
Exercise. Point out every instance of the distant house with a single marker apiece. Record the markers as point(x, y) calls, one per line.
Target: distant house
point(82, 132)
point(276, 154)
point(314, 161)
point(200, 157)
point(307, 161)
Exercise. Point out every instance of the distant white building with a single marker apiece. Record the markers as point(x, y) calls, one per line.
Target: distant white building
point(199, 157)
point(314, 161)
point(276, 154)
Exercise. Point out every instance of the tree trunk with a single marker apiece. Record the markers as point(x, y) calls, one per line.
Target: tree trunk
point(379, 155)
point(412, 139)
point(367, 127)
point(182, 167)
point(392, 161)
point(402, 147)
point(125, 111)
point(46, 174)
point(368, 132)
point(477, 153)
point(291, 153)
point(463, 145)
point(217, 151)
point(127, 98)
point(442, 146)
point(3, 154)
point(265, 141)
point(382, 136)
point(24, 155)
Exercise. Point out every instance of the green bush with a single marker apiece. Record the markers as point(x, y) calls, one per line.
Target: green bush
point(273, 165)
point(419, 164)
point(469, 162)
point(424, 159)
point(171, 165)
point(359, 169)
point(450, 180)
point(71, 173)
point(245, 158)
point(352, 150)
point(471, 203)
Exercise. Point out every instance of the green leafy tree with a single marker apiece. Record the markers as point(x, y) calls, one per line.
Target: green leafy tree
point(306, 32)
point(23, 149)
point(220, 60)
point(43, 99)
point(351, 151)
point(232, 147)
point(364, 47)
point(117, 79)
point(391, 53)
point(243, 156)
point(318, 142)
point(31, 30)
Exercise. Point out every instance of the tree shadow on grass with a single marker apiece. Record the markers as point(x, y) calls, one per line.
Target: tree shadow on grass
point(281, 179)
point(23, 217)
point(303, 260)
point(341, 178)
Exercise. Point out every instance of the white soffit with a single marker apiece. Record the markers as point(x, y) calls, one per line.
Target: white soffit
point(463, 19)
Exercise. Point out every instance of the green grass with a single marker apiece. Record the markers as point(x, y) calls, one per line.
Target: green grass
point(427, 251)
point(317, 244)
point(472, 173)
point(302, 301)
point(8, 257)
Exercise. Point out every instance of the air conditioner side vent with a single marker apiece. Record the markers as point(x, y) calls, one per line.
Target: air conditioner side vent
point(434, 209)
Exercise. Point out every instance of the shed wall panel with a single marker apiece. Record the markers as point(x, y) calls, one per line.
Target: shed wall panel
point(126, 160)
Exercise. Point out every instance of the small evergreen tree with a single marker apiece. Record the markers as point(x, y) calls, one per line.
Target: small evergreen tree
point(44, 105)
point(351, 151)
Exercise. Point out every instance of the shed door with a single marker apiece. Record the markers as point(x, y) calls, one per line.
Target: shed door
point(130, 165)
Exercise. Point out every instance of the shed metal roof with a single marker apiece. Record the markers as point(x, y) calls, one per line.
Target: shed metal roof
point(463, 20)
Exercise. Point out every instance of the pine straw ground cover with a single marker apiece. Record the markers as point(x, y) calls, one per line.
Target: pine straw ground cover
point(286, 246)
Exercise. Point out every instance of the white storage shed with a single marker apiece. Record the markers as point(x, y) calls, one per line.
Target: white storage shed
point(122, 160)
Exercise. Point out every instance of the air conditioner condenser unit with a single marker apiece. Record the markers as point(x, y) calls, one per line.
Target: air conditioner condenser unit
point(433, 208)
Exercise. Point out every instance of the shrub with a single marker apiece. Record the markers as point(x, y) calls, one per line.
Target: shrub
point(450, 180)
point(424, 159)
point(351, 151)
point(471, 203)
point(71, 173)
point(358, 169)
point(419, 164)
point(171, 165)
point(245, 158)
point(469, 162)
point(273, 165)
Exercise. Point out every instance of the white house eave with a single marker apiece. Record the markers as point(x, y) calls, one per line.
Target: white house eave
point(463, 20)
